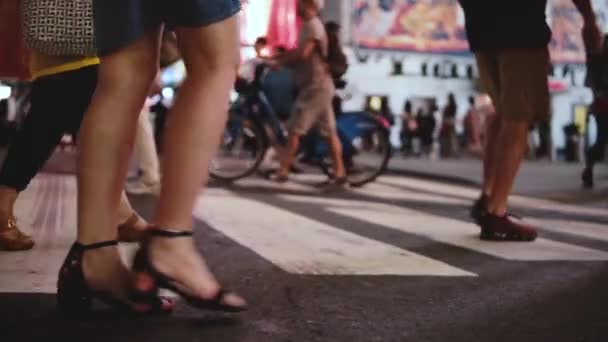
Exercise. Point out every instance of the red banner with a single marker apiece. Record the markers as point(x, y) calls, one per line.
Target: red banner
point(274, 19)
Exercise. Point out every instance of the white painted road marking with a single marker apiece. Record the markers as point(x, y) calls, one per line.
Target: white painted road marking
point(452, 232)
point(383, 191)
point(590, 230)
point(302, 245)
point(295, 243)
point(49, 204)
point(465, 192)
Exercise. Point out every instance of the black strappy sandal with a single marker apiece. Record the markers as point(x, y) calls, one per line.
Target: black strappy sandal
point(143, 267)
point(75, 296)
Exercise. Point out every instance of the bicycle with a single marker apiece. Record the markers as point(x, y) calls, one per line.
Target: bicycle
point(253, 127)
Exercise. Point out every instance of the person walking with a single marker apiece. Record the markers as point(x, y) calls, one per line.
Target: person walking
point(513, 63)
point(597, 80)
point(61, 91)
point(128, 33)
point(313, 105)
point(447, 133)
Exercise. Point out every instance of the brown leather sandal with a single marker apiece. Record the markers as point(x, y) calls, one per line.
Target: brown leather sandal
point(13, 239)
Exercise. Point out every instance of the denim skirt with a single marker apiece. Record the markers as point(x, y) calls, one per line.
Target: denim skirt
point(120, 22)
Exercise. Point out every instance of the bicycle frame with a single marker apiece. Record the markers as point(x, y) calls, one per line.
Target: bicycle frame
point(350, 125)
point(255, 105)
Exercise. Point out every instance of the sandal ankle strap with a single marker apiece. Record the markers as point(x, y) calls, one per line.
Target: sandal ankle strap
point(96, 245)
point(168, 233)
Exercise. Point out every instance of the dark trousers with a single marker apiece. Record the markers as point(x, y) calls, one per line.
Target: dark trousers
point(58, 104)
point(596, 152)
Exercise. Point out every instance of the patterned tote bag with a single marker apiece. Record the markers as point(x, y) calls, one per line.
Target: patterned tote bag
point(59, 27)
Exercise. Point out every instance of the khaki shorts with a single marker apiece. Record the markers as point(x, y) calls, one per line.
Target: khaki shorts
point(313, 107)
point(517, 82)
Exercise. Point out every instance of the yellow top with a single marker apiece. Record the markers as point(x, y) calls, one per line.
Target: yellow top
point(44, 65)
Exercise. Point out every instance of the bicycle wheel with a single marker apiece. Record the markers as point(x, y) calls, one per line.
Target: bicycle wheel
point(241, 150)
point(367, 155)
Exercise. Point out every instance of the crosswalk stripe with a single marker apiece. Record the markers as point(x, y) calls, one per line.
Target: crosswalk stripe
point(301, 245)
point(49, 205)
point(295, 243)
point(591, 230)
point(464, 192)
point(382, 191)
point(35, 271)
point(297, 183)
point(451, 231)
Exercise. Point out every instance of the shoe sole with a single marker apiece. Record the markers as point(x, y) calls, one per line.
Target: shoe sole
point(9, 248)
point(498, 237)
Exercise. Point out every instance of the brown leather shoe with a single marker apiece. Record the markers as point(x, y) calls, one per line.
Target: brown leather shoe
point(131, 230)
point(12, 239)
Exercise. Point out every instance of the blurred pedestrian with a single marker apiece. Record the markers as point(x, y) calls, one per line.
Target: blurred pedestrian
point(408, 127)
point(447, 134)
point(248, 68)
point(61, 91)
point(597, 80)
point(473, 129)
point(313, 105)
point(426, 130)
point(597, 151)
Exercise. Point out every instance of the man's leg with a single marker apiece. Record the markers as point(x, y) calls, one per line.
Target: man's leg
point(596, 152)
point(328, 128)
point(293, 144)
point(336, 155)
point(505, 162)
point(302, 120)
point(489, 74)
point(523, 97)
point(493, 126)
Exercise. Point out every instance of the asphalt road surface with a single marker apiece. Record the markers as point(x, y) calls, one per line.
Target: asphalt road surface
point(395, 261)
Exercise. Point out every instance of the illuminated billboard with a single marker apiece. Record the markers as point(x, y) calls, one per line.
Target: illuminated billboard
point(437, 26)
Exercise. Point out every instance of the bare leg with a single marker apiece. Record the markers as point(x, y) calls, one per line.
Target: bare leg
point(145, 149)
point(490, 150)
point(289, 156)
point(211, 55)
point(106, 139)
point(336, 155)
point(126, 214)
point(512, 141)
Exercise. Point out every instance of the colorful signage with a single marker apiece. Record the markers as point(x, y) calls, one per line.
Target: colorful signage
point(437, 26)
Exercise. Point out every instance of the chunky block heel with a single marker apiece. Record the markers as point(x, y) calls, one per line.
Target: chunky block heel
point(75, 296)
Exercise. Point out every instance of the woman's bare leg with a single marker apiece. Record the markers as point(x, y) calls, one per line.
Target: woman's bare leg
point(106, 138)
point(192, 136)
